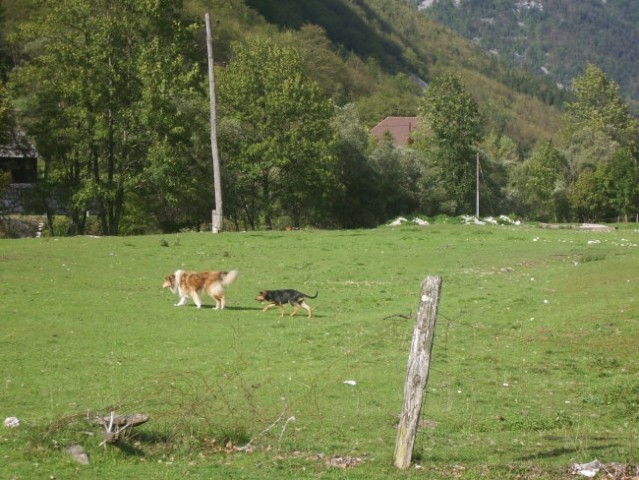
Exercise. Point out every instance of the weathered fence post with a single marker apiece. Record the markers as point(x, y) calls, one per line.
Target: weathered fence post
point(417, 372)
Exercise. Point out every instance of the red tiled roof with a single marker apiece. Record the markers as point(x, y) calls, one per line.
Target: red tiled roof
point(400, 129)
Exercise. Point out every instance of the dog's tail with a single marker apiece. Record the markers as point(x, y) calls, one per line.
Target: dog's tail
point(177, 287)
point(230, 277)
point(308, 296)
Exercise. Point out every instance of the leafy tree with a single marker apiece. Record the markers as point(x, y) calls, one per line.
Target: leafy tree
point(95, 86)
point(602, 148)
point(175, 185)
point(598, 108)
point(624, 175)
point(452, 117)
point(394, 180)
point(394, 96)
point(498, 159)
point(587, 149)
point(359, 201)
point(6, 117)
point(540, 183)
point(588, 195)
point(281, 157)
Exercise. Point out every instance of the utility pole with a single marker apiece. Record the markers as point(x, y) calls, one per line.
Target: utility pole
point(217, 214)
point(477, 188)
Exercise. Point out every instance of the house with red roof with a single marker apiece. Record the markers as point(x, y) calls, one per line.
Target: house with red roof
point(400, 129)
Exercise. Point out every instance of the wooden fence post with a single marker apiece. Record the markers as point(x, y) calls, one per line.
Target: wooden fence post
point(417, 371)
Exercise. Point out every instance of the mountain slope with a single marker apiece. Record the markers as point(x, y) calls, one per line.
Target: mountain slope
point(376, 54)
point(553, 38)
point(392, 36)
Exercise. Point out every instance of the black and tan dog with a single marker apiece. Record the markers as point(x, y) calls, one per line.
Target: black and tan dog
point(277, 298)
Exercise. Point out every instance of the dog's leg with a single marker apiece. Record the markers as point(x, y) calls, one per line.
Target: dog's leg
point(296, 308)
point(281, 305)
point(219, 302)
point(269, 306)
point(307, 308)
point(196, 299)
point(183, 300)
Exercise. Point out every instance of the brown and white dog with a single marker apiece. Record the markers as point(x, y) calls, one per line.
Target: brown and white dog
point(188, 284)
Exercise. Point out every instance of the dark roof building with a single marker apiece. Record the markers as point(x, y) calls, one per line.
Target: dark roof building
point(21, 159)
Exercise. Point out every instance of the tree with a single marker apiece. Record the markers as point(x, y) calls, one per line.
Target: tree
point(98, 93)
point(598, 108)
point(281, 155)
point(452, 117)
point(602, 148)
point(6, 117)
point(588, 195)
point(499, 158)
point(540, 183)
point(396, 197)
point(358, 203)
point(624, 175)
point(587, 149)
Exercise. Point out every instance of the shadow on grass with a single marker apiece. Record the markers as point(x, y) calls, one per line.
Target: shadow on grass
point(129, 449)
point(211, 307)
point(257, 308)
point(559, 452)
point(151, 440)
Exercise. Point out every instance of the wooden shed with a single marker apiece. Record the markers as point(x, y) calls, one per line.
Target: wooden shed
point(21, 159)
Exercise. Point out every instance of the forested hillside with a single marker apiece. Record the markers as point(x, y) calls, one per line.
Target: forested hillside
point(551, 38)
point(114, 94)
point(389, 34)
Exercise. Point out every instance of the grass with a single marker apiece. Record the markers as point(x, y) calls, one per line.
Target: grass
point(534, 366)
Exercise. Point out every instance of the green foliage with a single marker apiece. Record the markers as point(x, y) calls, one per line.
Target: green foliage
point(115, 100)
point(404, 91)
point(344, 25)
point(6, 117)
point(281, 160)
point(588, 148)
point(559, 37)
point(624, 173)
point(589, 195)
point(427, 49)
point(598, 108)
point(601, 138)
point(540, 183)
point(97, 80)
point(608, 191)
point(452, 117)
point(359, 202)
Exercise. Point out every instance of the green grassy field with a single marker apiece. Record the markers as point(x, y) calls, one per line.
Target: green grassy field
point(534, 367)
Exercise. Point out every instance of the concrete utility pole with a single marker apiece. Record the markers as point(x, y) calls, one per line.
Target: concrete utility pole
point(477, 187)
point(217, 214)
